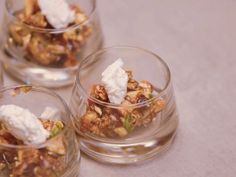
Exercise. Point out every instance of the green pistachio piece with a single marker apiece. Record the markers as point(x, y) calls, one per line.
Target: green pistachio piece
point(127, 124)
point(57, 127)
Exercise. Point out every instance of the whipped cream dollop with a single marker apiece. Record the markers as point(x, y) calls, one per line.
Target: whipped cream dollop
point(50, 113)
point(23, 124)
point(115, 80)
point(57, 12)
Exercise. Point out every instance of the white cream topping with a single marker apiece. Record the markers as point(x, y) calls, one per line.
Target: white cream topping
point(50, 113)
point(115, 80)
point(57, 12)
point(23, 124)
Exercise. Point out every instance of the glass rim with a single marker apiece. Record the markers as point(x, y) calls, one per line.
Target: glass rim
point(112, 105)
point(49, 30)
point(47, 142)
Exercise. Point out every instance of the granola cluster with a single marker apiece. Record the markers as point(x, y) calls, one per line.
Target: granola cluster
point(55, 50)
point(32, 162)
point(119, 122)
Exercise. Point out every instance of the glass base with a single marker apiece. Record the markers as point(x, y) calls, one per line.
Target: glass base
point(130, 153)
point(37, 75)
point(74, 169)
point(51, 78)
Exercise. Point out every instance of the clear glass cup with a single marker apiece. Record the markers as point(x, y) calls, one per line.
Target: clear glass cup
point(144, 129)
point(57, 156)
point(43, 55)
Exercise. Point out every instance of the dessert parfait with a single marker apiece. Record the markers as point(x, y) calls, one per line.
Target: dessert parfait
point(31, 145)
point(44, 40)
point(118, 86)
point(49, 49)
point(123, 105)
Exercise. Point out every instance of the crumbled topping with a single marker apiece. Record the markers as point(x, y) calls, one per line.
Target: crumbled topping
point(111, 122)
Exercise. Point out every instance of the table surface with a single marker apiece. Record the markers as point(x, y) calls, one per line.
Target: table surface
point(197, 39)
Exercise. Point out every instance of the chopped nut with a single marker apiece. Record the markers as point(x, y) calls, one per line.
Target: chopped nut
point(128, 123)
point(37, 20)
point(90, 116)
point(80, 38)
point(98, 110)
point(39, 51)
point(28, 155)
point(99, 92)
point(26, 40)
point(133, 96)
point(132, 85)
point(160, 104)
point(80, 18)
point(3, 140)
point(141, 98)
point(2, 166)
point(121, 131)
point(56, 49)
point(70, 35)
point(18, 33)
point(146, 86)
point(26, 89)
point(30, 7)
point(57, 127)
point(54, 127)
point(57, 146)
point(87, 31)
point(44, 172)
point(130, 75)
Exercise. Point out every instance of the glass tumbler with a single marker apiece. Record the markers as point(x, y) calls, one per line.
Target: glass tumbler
point(58, 156)
point(128, 132)
point(40, 54)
